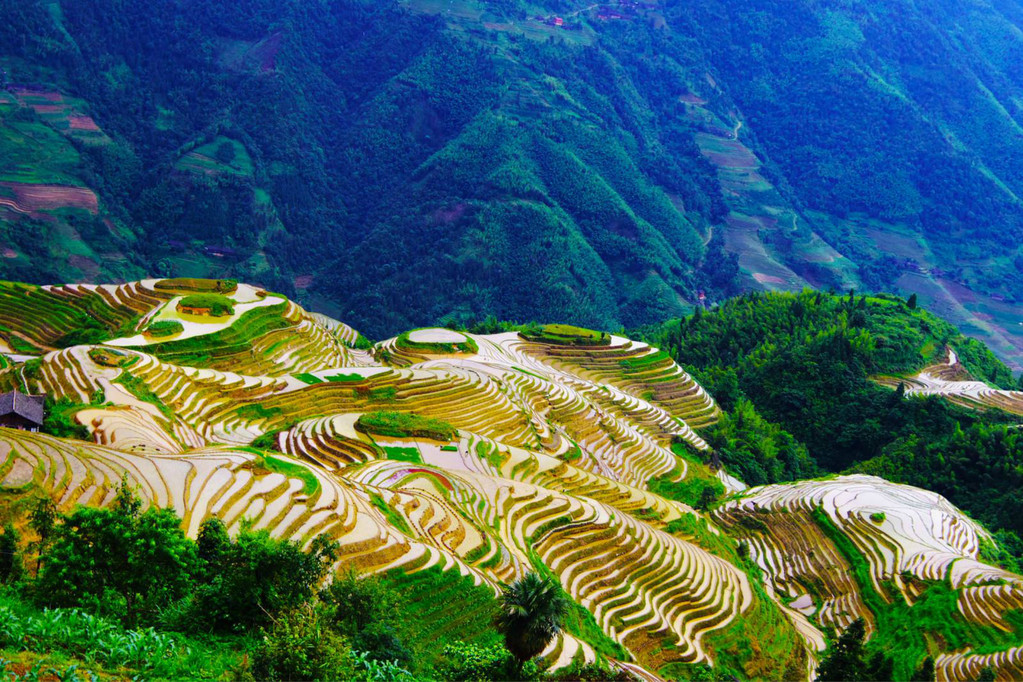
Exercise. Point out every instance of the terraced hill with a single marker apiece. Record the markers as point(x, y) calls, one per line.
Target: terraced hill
point(492, 456)
point(951, 380)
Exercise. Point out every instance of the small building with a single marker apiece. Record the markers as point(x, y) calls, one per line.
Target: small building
point(21, 411)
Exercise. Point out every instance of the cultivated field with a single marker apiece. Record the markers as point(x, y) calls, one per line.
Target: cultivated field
point(489, 455)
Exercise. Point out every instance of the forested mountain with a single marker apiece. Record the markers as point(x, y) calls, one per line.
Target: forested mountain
point(403, 163)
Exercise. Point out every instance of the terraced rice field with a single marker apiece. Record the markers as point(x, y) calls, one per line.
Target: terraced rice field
point(910, 539)
point(538, 459)
point(952, 381)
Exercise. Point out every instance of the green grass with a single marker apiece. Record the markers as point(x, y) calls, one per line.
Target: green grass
point(310, 484)
point(690, 489)
point(140, 389)
point(405, 425)
point(467, 346)
point(393, 517)
point(439, 607)
point(410, 455)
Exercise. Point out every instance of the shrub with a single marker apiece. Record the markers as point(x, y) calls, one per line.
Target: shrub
point(127, 543)
point(298, 646)
point(464, 662)
point(366, 611)
point(250, 579)
point(218, 305)
point(162, 328)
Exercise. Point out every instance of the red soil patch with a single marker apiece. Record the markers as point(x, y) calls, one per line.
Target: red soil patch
point(690, 98)
point(49, 108)
point(10, 253)
point(32, 198)
point(83, 123)
point(49, 95)
point(767, 279)
point(303, 281)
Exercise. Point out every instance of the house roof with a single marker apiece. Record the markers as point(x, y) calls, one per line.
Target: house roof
point(29, 407)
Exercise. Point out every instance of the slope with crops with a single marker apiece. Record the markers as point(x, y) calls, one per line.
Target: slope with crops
point(573, 454)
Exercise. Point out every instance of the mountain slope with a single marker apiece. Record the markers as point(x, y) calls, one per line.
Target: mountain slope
point(596, 163)
point(576, 453)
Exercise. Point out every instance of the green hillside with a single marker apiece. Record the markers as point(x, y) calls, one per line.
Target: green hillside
point(808, 379)
point(599, 164)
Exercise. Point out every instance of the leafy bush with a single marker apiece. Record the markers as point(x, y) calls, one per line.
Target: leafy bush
point(247, 580)
point(217, 304)
point(298, 646)
point(465, 662)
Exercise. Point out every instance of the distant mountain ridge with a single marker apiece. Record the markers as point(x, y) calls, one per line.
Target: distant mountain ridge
point(609, 164)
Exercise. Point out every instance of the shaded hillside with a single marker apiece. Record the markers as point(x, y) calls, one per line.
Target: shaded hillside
point(596, 163)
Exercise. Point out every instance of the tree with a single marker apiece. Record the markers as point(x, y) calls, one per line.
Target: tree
point(532, 611)
point(10, 557)
point(127, 562)
point(245, 583)
point(225, 152)
point(911, 302)
point(42, 520)
point(846, 662)
point(365, 611)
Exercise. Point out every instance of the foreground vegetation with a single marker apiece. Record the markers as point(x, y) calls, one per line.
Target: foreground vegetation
point(79, 593)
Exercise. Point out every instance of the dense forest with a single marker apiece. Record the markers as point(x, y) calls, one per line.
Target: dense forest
point(794, 373)
point(398, 167)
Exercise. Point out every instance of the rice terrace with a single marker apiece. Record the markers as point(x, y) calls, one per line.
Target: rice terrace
point(483, 458)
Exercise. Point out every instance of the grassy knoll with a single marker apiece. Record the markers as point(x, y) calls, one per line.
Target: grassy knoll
point(565, 334)
point(405, 425)
point(466, 346)
point(163, 328)
point(218, 305)
point(197, 285)
point(235, 339)
point(310, 484)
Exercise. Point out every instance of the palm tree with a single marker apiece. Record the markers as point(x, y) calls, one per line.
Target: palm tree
point(532, 609)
